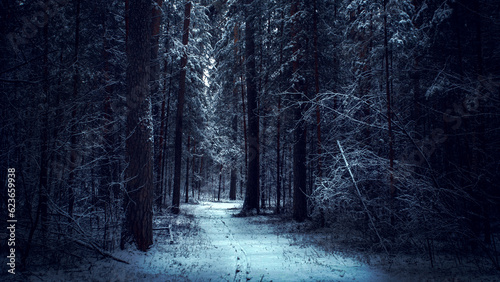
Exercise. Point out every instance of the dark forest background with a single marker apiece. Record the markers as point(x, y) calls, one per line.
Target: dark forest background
point(379, 118)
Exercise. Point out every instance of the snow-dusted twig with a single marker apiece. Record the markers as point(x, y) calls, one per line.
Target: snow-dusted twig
point(360, 197)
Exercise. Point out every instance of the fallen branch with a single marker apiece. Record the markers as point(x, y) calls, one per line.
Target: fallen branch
point(361, 198)
point(94, 247)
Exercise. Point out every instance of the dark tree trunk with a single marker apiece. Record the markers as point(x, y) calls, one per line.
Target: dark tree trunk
point(232, 184)
point(278, 160)
point(278, 129)
point(389, 114)
point(299, 146)
point(252, 193)
point(44, 160)
point(220, 183)
point(180, 110)
point(187, 171)
point(164, 170)
point(193, 169)
point(263, 172)
point(74, 151)
point(155, 89)
point(159, 176)
point(139, 145)
point(290, 174)
point(316, 86)
point(199, 180)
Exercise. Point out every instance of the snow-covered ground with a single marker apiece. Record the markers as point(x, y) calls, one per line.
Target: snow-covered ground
point(210, 244)
point(241, 249)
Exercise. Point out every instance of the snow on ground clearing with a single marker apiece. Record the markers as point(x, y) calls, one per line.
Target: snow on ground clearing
point(246, 250)
point(210, 244)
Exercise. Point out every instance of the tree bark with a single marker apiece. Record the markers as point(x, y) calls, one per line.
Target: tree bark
point(299, 146)
point(232, 186)
point(139, 143)
point(253, 179)
point(180, 110)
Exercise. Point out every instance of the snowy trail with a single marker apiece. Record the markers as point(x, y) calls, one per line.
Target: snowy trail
point(212, 245)
point(244, 249)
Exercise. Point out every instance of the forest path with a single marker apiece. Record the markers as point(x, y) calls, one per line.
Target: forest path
point(210, 244)
point(250, 248)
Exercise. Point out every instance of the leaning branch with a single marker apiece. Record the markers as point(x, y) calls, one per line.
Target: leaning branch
point(361, 198)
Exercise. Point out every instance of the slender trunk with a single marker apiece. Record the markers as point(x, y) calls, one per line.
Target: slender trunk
point(290, 175)
point(278, 128)
point(299, 147)
point(278, 159)
point(199, 181)
point(155, 89)
point(193, 169)
point(389, 111)
point(282, 176)
point(164, 166)
point(74, 151)
point(187, 170)
point(180, 110)
point(236, 38)
point(316, 86)
point(44, 160)
point(159, 175)
point(220, 183)
point(232, 185)
point(253, 176)
point(241, 182)
point(263, 173)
